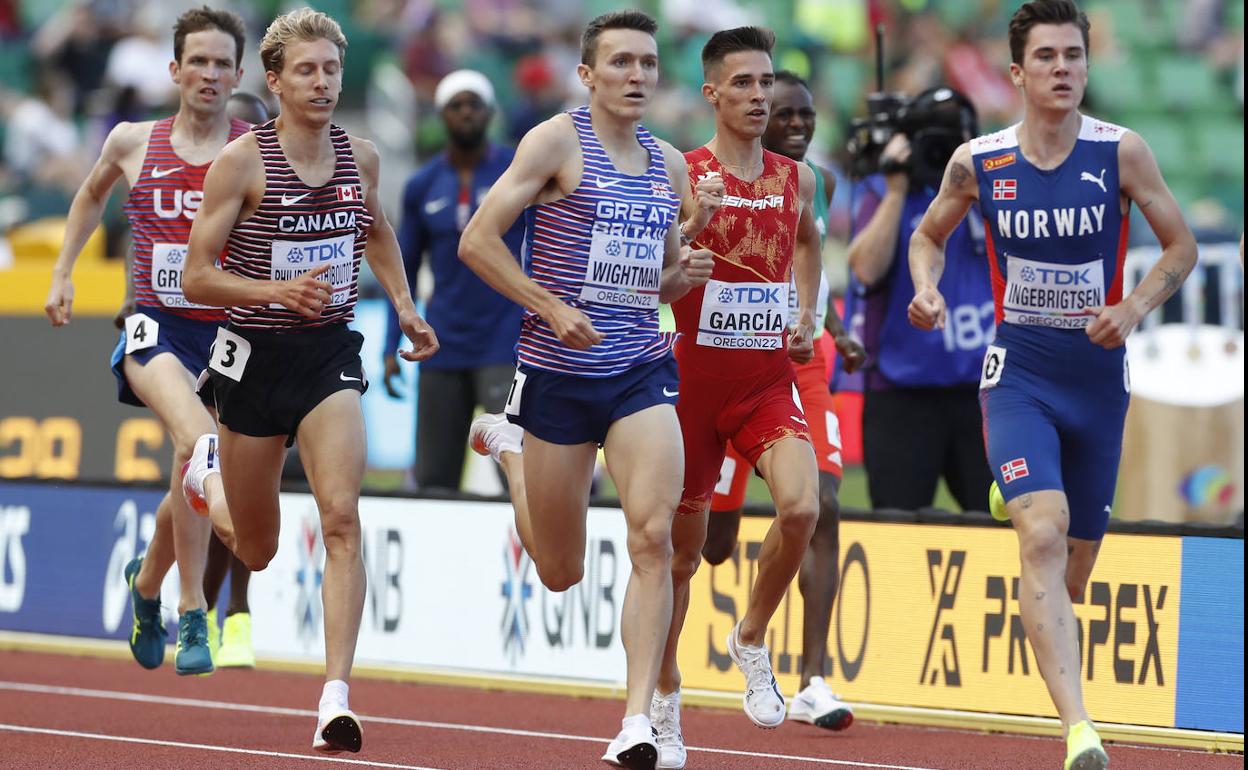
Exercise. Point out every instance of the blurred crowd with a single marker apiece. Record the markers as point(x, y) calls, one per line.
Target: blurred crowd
point(70, 69)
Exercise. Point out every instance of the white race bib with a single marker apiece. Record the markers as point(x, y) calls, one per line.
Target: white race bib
point(994, 365)
point(229, 354)
point(168, 259)
point(726, 471)
point(623, 271)
point(743, 316)
point(142, 332)
point(291, 259)
point(821, 302)
point(1047, 294)
point(513, 396)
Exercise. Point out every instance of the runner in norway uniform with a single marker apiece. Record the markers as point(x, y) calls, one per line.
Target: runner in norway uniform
point(1053, 401)
point(600, 250)
point(731, 350)
point(272, 366)
point(1054, 191)
point(161, 208)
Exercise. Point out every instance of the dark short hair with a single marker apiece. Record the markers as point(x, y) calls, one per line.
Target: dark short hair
point(792, 78)
point(728, 41)
point(200, 19)
point(248, 107)
point(642, 22)
point(1044, 12)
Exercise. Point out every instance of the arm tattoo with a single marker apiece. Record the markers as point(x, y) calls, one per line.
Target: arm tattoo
point(1171, 279)
point(958, 175)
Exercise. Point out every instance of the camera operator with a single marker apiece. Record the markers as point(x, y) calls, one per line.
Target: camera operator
point(921, 416)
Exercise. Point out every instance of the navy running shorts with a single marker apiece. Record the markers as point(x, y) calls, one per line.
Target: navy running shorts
point(1054, 421)
point(154, 331)
point(567, 409)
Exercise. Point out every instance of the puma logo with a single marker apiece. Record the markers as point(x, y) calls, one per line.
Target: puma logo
point(1086, 176)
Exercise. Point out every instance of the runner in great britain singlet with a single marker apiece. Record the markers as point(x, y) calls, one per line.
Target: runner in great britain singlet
point(599, 249)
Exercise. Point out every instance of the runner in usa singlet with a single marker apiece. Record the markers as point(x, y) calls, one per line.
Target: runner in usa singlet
point(161, 208)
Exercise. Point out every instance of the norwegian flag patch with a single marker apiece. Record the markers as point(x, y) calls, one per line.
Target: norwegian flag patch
point(348, 192)
point(1014, 470)
point(1004, 189)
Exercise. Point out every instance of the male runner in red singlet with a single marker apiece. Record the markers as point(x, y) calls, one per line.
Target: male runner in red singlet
point(736, 379)
point(295, 203)
point(790, 128)
point(165, 342)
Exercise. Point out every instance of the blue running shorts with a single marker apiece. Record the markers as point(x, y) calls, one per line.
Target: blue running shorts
point(155, 331)
point(1053, 419)
point(567, 409)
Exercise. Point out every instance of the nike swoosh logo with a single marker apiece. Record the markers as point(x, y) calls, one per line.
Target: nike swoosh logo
point(289, 201)
point(797, 420)
point(433, 207)
point(670, 393)
point(158, 173)
point(605, 183)
point(343, 376)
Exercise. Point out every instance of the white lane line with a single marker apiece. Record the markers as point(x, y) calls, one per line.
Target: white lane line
point(204, 747)
point(80, 692)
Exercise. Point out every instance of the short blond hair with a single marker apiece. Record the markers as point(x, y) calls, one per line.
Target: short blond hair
point(298, 25)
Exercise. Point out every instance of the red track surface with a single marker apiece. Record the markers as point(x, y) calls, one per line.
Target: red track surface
point(191, 724)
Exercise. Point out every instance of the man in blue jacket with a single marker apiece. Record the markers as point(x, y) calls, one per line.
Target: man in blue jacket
point(921, 418)
point(477, 325)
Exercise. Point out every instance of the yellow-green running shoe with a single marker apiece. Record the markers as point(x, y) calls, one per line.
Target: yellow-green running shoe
point(147, 637)
point(1083, 748)
point(236, 650)
point(996, 503)
point(214, 634)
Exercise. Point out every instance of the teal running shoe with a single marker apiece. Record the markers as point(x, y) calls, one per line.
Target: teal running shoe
point(193, 655)
point(147, 639)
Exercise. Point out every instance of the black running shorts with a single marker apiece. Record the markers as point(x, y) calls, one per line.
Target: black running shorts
point(265, 382)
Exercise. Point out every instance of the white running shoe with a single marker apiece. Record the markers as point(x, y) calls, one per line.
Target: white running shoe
point(337, 730)
point(665, 716)
point(816, 704)
point(634, 748)
point(204, 460)
point(764, 704)
point(493, 434)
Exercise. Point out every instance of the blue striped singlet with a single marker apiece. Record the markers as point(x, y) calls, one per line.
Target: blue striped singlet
point(600, 250)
